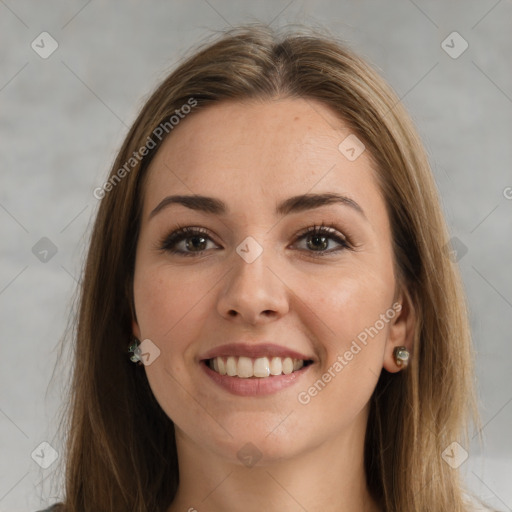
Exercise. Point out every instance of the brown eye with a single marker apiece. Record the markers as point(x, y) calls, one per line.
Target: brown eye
point(323, 240)
point(186, 241)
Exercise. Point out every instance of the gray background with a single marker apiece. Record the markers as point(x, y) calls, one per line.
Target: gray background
point(63, 118)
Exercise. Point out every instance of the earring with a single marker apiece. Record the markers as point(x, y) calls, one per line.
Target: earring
point(401, 356)
point(134, 349)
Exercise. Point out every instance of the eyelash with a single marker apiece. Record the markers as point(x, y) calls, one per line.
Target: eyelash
point(169, 242)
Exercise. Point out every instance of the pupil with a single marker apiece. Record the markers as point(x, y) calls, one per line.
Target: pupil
point(322, 238)
point(192, 245)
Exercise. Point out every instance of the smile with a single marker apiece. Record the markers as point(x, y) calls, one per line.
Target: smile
point(246, 376)
point(261, 367)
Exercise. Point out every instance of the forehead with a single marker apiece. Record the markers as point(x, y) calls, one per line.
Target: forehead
point(261, 151)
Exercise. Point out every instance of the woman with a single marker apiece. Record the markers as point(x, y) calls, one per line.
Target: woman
point(268, 310)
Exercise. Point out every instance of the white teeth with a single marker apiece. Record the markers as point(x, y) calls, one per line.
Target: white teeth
point(287, 365)
point(222, 365)
point(246, 367)
point(261, 367)
point(276, 366)
point(231, 366)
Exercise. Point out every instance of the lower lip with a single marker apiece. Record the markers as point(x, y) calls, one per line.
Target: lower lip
point(254, 386)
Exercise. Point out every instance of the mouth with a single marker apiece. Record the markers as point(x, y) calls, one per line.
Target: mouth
point(255, 367)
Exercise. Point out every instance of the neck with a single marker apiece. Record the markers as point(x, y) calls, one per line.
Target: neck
point(329, 477)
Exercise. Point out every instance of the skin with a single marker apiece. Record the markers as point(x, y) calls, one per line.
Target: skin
point(252, 155)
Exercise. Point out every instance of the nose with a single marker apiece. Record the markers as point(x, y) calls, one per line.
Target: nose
point(253, 293)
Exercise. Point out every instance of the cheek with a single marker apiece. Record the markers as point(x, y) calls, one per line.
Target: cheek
point(353, 343)
point(350, 299)
point(166, 301)
point(170, 306)
point(346, 314)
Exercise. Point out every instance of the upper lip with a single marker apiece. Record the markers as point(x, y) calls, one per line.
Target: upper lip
point(253, 350)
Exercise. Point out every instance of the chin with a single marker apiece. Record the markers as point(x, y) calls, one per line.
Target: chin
point(255, 442)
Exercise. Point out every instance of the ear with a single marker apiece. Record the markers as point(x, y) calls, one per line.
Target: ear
point(401, 330)
point(135, 325)
point(136, 329)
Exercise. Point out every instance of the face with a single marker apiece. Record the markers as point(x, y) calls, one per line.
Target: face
point(259, 283)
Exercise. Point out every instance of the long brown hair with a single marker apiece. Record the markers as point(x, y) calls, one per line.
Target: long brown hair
point(121, 453)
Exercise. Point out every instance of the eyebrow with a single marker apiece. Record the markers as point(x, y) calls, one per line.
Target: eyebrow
point(293, 204)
